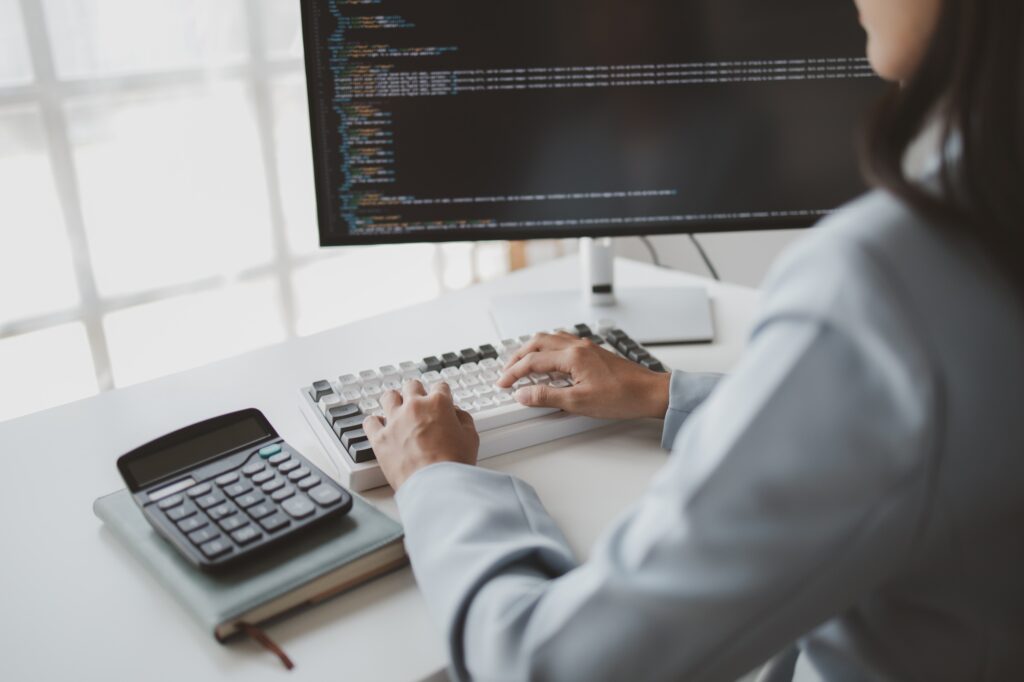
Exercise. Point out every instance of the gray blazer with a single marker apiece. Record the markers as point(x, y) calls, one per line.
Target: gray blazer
point(857, 485)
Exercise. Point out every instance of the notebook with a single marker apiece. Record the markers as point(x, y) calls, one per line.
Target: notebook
point(330, 558)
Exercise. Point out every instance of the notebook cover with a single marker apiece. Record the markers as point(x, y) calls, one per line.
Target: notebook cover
point(213, 599)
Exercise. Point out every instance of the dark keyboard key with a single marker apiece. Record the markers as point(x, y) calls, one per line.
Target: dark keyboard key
point(192, 523)
point(236, 489)
point(279, 458)
point(290, 465)
point(271, 486)
point(226, 479)
point(469, 355)
point(180, 512)
point(172, 501)
point(342, 412)
point(222, 510)
point(200, 490)
point(451, 360)
point(350, 438)
point(233, 522)
point(274, 522)
point(260, 510)
point(324, 495)
point(299, 474)
point(320, 389)
point(216, 548)
point(616, 334)
point(344, 425)
point(263, 477)
point(203, 535)
point(283, 494)
point(638, 354)
point(432, 364)
point(362, 452)
point(245, 535)
point(308, 482)
point(298, 507)
point(254, 467)
point(248, 500)
point(597, 340)
point(487, 351)
point(653, 365)
point(583, 331)
point(207, 501)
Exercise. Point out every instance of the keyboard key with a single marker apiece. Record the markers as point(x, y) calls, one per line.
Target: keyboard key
point(540, 378)
point(260, 510)
point(583, 331)
point(522, 383)
point(270, 451)
point(368, 405)
point(290, 465)
point(320, 389)
point(298, 507)
point(350, 438)
point(560, 383)
point(207, 501)
point(653, 365)
point(283, 494)
point(192, 523)
point(483, 391)
point(199, 490)
point(485, 404)
point(432, 364)
point(248, 500)
point(233, 522)
point(298, 474)
point(327, 402)
point(245, 535)
point(348, 425)
point(469, 368)
point(489, 377)
point(216, 548)
point(488, 352)
point(490, 365)
point(638, 355)
point(308, 482)
point(359, 452)
point(369, 376)
point(325, 495)
point(172, 501)
point(222, 510)
point(279, 458)
point(451, 360)
point(341, 412)
point(180, 512)
point(503, 398)
point(263, 476)
point(237, 489)
point(388, 372)
point(348, 381)
point(431, 377)
point(227, 479)
point(274, 522)
point(351, 395)
point(393, 385)
point(254, 467)
point(203, 535)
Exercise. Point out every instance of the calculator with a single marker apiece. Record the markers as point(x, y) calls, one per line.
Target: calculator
point(227, 488)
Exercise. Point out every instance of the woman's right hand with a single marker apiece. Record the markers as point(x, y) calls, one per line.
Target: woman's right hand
point(605, 385)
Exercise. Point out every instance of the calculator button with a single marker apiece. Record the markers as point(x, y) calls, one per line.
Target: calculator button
point(233, 522)
point(298, 507)
point(308, 482)
point(200, 490)
point(227, 479)
point(263, 477)
point(249, 499)
point(260, 510)
point(283, 494)
point(254, 467)
point(216, 548)
point(271, 486)
point(274, 522)
point(245, 535)
point(207, 501)
point(279, 458)
point(299, 474)
point(203, 535)
point(221, 510)
point(290, 465)
point(324, 495)
point(181, 512)
point(172, 501)
point(237, 489)
point(269, 451)
point(192, 523)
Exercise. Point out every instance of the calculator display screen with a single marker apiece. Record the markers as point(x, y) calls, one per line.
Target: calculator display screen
point(193, 449)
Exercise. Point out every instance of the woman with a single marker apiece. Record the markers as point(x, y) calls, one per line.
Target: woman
point(855, 485)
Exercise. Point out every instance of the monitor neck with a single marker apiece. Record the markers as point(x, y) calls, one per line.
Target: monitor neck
point(597, 269)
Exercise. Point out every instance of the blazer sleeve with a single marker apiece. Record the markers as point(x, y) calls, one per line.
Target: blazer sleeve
point(791, 492)
point(687, 390)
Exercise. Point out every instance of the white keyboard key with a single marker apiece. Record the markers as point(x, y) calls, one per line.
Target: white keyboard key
point(484, 404)
point(388, 372)
point(509, 413)
point(523, 383)
point(560, 383)
point(347, 381)
point(351, 395)
point(409, 370)
point(451, 373)
point(430, 378)
point(463, 395)
point(490, 365)
point(540, 378)
point(469, 368)
point(375, 413)
point(393, 385)
point(329, 401)
point(482, 391)
point(470, 382)
point(560, 376)
point(368, 376)
point(372, 391)
point(510, 344)
point(489, 377)
point(468, 406)
point(368, 405)
point(503, 398)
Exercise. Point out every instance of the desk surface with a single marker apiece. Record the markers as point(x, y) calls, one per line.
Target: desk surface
point(75, 605)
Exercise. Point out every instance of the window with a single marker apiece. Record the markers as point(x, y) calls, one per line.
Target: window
point(156, 197)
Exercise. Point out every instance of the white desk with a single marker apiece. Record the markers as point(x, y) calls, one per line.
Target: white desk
point(75, 605)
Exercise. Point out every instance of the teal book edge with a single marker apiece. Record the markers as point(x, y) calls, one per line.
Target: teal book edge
point(329, 558)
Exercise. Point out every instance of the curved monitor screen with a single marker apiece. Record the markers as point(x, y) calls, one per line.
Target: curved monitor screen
point(458, 119)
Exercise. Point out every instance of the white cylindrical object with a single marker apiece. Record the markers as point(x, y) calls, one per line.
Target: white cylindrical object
point(597, 267)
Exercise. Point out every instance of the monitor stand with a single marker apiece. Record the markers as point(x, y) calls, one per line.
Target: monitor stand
point(666, 315)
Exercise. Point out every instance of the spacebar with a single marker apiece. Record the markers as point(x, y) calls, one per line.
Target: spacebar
point(509, 414)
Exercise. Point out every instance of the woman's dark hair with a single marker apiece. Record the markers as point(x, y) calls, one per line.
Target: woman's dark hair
point(972, 79)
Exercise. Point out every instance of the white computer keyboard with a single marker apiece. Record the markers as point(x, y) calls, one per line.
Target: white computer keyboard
point(335, 408)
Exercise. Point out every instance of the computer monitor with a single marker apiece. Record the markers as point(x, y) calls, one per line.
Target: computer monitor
point(440, 120)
